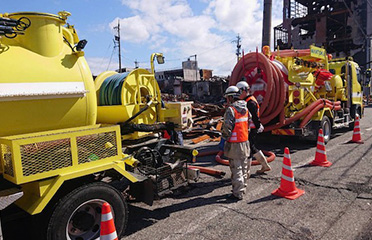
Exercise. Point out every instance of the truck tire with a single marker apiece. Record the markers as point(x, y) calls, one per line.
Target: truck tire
point(77, 216)
point(326, 126)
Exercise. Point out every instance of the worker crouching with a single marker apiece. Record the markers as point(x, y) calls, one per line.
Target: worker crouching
point(235, 136)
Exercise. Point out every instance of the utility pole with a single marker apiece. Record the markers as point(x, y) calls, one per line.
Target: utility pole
point(238, 46)
point(117, 41)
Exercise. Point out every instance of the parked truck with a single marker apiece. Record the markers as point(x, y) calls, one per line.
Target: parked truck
point(301, 91)
point(68, 143)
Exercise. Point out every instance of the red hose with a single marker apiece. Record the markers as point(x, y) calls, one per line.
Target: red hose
point(208, 153)
point(270, 156)
point(275, 96)
point(210, 171)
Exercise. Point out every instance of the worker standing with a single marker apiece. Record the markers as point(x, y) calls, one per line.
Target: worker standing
point(235, 132)
point(255, 125)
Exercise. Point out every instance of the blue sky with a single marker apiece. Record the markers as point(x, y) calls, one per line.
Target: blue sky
point(178, 28)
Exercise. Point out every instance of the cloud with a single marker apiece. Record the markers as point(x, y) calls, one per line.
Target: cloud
point(98, 65)
point(136, 29)
point(172, 26)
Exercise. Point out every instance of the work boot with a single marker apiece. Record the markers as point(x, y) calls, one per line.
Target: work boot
point(260, 157)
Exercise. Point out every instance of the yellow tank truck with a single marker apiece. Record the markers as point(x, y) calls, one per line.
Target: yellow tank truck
point(68, 143)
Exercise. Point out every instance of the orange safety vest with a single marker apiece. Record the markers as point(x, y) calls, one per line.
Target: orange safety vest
point(251, 124)
point(240, 131)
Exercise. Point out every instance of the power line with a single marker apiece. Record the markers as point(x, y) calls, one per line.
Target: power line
point(103, 59)
point(113, 50)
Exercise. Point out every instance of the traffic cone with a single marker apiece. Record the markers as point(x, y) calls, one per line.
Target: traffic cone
point(287, 187)
point(108, 231)
point(320, 155)
point(357, 138)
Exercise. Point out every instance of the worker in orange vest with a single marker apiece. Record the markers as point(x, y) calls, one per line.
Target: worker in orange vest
point(236, 148)
point(255, 125)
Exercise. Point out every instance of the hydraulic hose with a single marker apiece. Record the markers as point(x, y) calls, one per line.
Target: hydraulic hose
point(110, 92)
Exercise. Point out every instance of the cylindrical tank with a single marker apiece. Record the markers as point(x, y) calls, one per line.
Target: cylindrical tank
point(44, 84)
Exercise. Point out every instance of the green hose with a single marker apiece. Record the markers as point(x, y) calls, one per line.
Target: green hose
point(110, 91)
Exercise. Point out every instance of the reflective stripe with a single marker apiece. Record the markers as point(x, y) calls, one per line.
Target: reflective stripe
point(106, 217)
point(41, 90)
point(357, 132)
point(320, 151)
point(290, 179)
point(287, 167)
point(320, 143)
point(241, 120)
point(287, 156)
point(241, 129)
point(110, 236)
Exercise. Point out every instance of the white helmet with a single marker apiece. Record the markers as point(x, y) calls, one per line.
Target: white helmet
point(243, 85)
point(232, 91)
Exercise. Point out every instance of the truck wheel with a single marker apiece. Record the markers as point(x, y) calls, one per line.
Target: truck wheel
point(325, 124)
point(77, 216)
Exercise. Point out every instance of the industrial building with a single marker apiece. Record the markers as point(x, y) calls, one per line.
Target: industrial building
point(343, 27)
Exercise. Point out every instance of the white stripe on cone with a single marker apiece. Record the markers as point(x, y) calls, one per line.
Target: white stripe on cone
point(110, 236)
point(289, 179)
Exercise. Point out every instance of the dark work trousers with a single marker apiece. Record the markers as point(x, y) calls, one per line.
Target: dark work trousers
point(252, 141)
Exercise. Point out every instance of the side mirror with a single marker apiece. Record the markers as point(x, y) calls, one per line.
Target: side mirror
point(160, 59)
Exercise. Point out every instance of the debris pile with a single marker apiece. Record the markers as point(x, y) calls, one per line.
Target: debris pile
point(207, 123)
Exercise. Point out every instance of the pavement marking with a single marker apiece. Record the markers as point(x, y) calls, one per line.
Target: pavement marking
point(369, 129)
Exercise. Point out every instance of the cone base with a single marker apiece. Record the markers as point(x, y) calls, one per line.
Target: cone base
point(322, 164)
point(353, 141)
point(289, 195)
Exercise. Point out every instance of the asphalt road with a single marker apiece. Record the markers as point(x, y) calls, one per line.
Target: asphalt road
point(336, 204)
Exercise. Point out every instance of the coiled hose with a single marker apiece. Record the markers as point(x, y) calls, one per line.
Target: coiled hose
point(110, 91)
point(273, 103)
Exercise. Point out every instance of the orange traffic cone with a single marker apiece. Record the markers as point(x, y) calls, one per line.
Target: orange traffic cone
point(320, 155)
point(357, 138)
point(287, 187)
point(108, 231)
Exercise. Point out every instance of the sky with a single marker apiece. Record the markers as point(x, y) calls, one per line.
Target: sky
point(177, 28)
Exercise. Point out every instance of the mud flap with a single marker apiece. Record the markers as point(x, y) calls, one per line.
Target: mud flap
point(143, 191)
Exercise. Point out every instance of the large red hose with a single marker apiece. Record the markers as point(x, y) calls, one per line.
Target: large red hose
point(274, 101)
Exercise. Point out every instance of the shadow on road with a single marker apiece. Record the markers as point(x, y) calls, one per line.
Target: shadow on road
point(144, 218)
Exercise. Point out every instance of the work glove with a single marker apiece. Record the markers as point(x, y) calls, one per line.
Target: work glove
point(261, 128)
point(221, 145)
